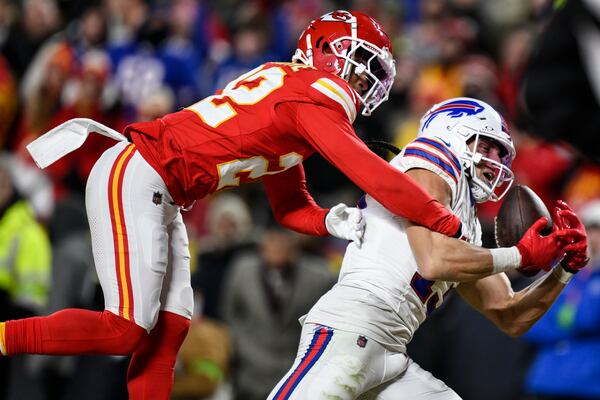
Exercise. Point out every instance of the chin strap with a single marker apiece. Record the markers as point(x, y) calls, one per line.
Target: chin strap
point(479, 194)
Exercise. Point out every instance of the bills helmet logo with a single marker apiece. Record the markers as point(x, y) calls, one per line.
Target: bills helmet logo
point(454, 109)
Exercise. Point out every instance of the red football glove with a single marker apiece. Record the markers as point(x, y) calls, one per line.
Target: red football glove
point(542, 252)
point(576, 252)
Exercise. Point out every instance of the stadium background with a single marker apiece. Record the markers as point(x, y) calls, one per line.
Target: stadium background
point(120, 61)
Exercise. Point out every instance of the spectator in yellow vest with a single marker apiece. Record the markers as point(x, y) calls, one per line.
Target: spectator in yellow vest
point(25, 267)
point(25, 253)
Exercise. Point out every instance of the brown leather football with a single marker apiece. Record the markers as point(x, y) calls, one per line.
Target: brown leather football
point(519, 210)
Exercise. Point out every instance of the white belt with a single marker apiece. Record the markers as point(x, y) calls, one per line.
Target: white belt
point(65, 138)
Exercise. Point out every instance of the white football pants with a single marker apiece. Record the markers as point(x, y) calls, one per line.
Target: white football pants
point(139, 240)
point(334, 364)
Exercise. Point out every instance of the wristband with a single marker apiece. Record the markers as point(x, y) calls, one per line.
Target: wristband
point(505, 258)
point(564, 266)
point(562, 274)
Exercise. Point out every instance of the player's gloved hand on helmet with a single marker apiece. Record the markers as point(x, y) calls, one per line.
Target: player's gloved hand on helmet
point(577, 251)
point(543, 252)
point(346, 223)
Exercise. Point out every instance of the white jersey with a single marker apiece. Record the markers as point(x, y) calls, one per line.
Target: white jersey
point(379, 292)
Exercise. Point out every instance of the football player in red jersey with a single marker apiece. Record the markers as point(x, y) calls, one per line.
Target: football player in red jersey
point(260, 126)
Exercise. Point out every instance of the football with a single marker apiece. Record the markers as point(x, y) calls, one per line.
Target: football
point(519, 210)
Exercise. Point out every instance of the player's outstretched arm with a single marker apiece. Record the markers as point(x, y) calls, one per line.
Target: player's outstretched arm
point(513, 313)
point(296, 209)
point(439, 257)
point(292, 205)
point(331, 134)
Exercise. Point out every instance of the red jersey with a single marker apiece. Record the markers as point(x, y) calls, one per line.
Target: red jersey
point(262, 126)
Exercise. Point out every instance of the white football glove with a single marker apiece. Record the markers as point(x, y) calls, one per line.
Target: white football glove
point(346, 223)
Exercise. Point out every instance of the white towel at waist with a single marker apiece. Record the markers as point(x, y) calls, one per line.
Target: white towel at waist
point(65, 138)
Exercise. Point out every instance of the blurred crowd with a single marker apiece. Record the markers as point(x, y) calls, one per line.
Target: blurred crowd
point(120, 61)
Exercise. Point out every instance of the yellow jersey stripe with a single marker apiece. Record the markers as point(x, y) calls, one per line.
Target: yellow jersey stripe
point(3, 339)
point(121, 243)
point(336, 93)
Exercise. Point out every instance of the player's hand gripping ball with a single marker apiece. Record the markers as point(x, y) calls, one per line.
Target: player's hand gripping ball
point(520, 209)
point(577, 251)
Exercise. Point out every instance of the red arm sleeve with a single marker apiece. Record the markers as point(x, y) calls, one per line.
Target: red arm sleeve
point(291, 203)
point(331, 134)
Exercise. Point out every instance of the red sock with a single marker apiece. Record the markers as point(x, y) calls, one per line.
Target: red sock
point(73, 331)
point(152, 367)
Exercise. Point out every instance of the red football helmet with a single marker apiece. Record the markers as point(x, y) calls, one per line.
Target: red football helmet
point(346, 42)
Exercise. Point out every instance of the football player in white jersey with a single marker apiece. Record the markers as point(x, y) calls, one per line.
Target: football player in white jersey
point(353, 342)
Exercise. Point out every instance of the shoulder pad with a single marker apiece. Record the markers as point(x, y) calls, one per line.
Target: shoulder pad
point(333, 92)
point(432, 154)
point(436, 152)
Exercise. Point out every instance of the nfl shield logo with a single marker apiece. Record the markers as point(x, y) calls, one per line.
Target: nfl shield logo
point(157, 198)
point(361, 341)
